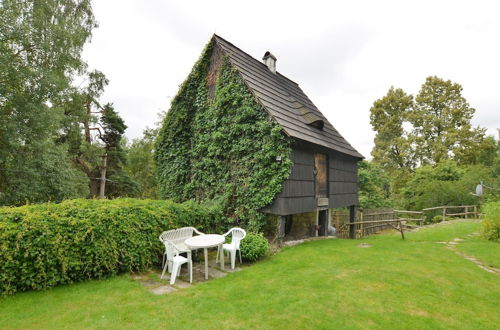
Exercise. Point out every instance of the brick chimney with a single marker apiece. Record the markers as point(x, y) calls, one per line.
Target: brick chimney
point(270, 60)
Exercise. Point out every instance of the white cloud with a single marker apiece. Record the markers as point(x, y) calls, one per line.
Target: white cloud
point(344, 54)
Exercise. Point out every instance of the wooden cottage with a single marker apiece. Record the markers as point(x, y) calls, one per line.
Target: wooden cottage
point(324, 170)
point(324, 173)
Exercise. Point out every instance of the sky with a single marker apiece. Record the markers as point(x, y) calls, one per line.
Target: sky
point(343, 54)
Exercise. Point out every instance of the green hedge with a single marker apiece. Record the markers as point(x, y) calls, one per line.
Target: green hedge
point(45, 245)
point(491, 223)
point(253, 247)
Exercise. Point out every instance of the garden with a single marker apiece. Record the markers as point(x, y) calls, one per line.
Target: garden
point(82, 207)
point(378, 282)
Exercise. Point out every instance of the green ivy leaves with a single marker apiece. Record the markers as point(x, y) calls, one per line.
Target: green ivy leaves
point(221, 148)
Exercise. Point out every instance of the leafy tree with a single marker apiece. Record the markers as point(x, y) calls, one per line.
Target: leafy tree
point(496, 161)
point(83, 109)
point(441, 124)
point(121, 184)
point(392, 148)
point(445, 183)
point(438, 127)
point(93, 130)
point(40, 48)
point(373, 185)
point(141, 164)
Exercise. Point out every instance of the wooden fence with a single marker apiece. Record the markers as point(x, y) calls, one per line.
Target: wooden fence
point(372, 221)
point(464, 208)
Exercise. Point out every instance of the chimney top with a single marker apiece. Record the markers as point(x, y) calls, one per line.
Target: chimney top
point(270, 60)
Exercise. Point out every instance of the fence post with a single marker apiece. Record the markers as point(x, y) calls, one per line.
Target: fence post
point(475, 211)
point(401, 230)
point(444, 214)
point(281, 228)
point(352, 216)
point(361, 219)
point(337, 225)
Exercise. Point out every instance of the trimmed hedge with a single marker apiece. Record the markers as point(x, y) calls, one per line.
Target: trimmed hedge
point(45, 245)
point(491, 223)
point(253, 247)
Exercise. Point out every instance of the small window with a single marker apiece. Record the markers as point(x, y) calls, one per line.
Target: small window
point(318, 124)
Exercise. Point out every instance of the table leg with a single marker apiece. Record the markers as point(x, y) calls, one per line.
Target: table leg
point(206, 263)
point(221, 248)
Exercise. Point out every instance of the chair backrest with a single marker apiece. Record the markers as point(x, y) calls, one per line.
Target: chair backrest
point(237, 234)
point(174, 237)
point(185, 232)
point(167, 238)
point(177, 235)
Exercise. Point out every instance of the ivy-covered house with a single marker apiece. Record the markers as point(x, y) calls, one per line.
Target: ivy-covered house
point(242, 136)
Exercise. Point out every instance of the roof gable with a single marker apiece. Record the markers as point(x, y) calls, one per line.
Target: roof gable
point(286, 102)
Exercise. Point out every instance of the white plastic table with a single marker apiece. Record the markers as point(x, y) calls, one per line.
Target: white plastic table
point(204, 242)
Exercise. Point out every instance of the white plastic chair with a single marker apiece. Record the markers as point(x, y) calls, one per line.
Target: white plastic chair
point(237, 234)
point(177, 262)
point(177, 237)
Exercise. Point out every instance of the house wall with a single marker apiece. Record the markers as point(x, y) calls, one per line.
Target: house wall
point(298, 192)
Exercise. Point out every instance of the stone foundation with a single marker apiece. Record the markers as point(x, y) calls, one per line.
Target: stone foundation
point(301, 225)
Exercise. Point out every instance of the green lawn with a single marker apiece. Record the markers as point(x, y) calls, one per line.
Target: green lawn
point(410, 284)
point(487, 252)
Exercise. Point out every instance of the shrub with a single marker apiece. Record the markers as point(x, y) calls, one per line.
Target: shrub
point(445, 183)
point(437, 218)
point(45, 245)
point(491, 223)
point(254, 247)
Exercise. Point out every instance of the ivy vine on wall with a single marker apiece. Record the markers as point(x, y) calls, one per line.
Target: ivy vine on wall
point(218, 144)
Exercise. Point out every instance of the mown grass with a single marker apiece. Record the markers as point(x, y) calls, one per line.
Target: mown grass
point(409, 284)
point(487, 251)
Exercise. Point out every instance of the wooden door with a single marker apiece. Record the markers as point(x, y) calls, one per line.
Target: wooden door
point(323, 223)
point(321, 175)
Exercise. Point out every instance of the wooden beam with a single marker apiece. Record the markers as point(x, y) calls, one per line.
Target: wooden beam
point(446, 206)
point(411, 219)
point(410, 212)
point(352, 218)
point(378, 221)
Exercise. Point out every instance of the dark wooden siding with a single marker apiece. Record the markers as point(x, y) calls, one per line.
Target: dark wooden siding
point(298, 192)
point(343, 180)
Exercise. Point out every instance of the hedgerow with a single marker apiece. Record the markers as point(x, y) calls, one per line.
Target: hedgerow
point(253, 247)
point(218, 143)
point(491, 222)
point(45, 245)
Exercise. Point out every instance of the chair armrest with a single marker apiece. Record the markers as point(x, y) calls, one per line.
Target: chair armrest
point(177, 249)
point(198, 232)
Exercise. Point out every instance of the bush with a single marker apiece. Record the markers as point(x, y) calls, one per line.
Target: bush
point(254, 247)
point(437, 218)
point(45, 245)
point(445, 183)
point(491, 223)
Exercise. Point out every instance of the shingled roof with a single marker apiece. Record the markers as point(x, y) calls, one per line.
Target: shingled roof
point(285, 101)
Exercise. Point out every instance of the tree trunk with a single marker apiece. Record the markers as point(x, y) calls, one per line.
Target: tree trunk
point(102, 186)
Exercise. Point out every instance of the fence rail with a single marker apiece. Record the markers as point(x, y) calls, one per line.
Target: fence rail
point(465, 212)
point(371, 221)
